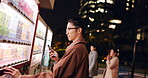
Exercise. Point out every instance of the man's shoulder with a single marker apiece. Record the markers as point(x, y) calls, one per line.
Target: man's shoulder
point(80, 43)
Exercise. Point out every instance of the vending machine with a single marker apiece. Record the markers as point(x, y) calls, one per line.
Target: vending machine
point(17, 32)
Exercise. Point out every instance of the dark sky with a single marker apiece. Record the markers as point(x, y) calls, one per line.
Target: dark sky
point(57, 18)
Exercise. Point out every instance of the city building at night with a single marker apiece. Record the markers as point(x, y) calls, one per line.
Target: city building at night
point(119, 23)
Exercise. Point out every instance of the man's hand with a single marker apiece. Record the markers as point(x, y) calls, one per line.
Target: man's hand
point(15, 73)
point(53, 55)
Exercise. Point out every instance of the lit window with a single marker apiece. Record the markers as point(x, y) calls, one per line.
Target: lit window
point(85, 3)
point(110, 1)
point(91, 19)
point(100, 1)
point(98, 30)
point(85, 12)
point(112, 26)
point(97, 10)
point(132, 6)
point(93, 6)
point(127, 4)
point(102, 24)
point(138, 36)
point(90, 34)
point(128, 0)
point(84, 16)
point(127, 9)
point(91, 11)
point(103, 30)
point(106, 11)
point(101, 10)
point(116, 21)
point(91, 2)
point(133, 1)
point(107, 1)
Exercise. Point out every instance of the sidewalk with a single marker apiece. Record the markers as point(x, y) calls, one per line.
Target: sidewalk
point(122, 74)
point(100, 72)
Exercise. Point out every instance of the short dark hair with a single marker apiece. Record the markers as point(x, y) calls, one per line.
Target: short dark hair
point(80, 22)
point(94, 45)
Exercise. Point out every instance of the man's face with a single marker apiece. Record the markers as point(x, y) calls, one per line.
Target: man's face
point(92, 48)
point(71, 32)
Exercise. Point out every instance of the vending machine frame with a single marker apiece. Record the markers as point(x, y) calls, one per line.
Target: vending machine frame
point(37, 53)
point(45, 63)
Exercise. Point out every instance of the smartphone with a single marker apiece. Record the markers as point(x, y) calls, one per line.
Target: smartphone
point(51, 49)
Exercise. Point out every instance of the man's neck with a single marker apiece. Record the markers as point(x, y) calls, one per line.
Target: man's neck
point(78, 38)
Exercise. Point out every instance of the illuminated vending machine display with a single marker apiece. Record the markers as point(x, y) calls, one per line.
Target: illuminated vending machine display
point(17, 27)
point(38, 46)
point(46, 58)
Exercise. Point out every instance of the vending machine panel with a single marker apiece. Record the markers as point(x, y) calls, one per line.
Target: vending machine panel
point(17, 29)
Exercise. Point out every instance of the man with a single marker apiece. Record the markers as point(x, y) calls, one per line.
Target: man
point(74, 63)
point(93, 64)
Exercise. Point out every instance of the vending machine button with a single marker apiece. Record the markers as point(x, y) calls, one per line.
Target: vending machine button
point(4, 40)
point(9, 41)
point(9, 65)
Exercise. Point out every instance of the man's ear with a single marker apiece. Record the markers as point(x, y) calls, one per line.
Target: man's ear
point(80, 30)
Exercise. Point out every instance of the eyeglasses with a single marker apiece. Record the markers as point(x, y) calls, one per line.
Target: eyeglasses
point(72, 28)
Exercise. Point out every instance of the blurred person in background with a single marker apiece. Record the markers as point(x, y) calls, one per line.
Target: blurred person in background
point(93, 64)
point(112, 64)
point(74, 63)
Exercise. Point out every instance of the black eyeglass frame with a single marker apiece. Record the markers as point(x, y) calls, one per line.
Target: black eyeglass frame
point(74, 28)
